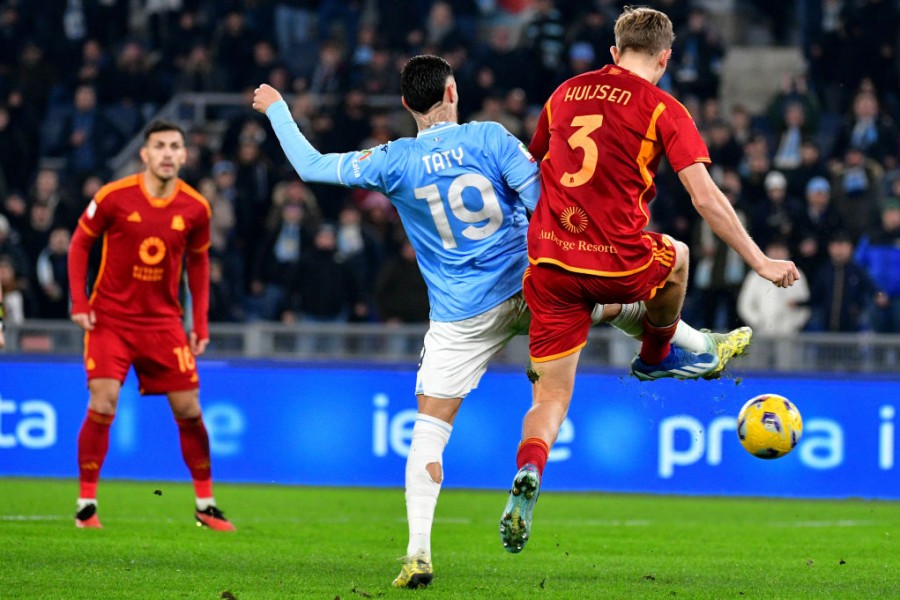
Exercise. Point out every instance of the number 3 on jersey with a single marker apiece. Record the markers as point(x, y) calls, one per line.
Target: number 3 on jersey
point(586, 124)
point(490, 208)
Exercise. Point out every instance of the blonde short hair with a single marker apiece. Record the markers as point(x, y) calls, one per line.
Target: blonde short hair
point(643, 29)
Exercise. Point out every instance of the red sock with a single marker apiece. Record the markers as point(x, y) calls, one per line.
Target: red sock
point(195, 450)
point(93, 444)
point(535, 451)
point(655, 343)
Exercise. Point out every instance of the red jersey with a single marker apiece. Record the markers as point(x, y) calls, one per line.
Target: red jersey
point(600, 138)
point(144, 242)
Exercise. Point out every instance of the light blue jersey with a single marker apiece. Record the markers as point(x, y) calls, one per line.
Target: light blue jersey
point(461, 192)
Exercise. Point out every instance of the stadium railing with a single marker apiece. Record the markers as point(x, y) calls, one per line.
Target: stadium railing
point(381, 343)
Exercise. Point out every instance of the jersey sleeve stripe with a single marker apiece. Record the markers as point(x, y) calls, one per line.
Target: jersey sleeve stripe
point(196, 196)
point(339, 163)
point(202, 248)
point(87, 229)
point(103, 256)
point(648, 151)
point(527, 183)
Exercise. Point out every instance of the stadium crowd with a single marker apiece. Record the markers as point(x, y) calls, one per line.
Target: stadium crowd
point(815, 177)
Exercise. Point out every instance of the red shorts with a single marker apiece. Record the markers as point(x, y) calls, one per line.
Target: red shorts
point(160, 355)
point(561, 301)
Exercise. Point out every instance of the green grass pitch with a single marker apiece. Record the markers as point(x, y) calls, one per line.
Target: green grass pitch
point(329, 543)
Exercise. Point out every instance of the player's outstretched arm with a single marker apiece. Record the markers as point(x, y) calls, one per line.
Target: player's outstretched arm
point(310, 164)
point(716, 210)
point(79, 250)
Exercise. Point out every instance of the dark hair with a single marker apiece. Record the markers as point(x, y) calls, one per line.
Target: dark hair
point(423, 80)
point(158, 125)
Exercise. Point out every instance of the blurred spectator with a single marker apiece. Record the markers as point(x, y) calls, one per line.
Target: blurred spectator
point(360, 248)
point(841, 291)
point(94, 63)
point(581, 59)
point(36, 235)
point(254, 180)
point(817, 224)
point(15, 161)
point(11, 249)
point(277, 259)
point(879, 254)
point(400, 292)
point(545, 39)
point(222, 306)
point(294, 23)
point(15, 210)
point(187, 34)
point(232, 47)
point(754, 168)
point(776, 216)
point(53, 276)
point(351, 122)
point(265, 62)
point(322, 289)
point(792, 130)
point(492, 109)
point(770, 310)
point(87, 138)
point(811, 165)
point(868, 130)
point(15, 298)
point(856, 191)
point(198, 73)
point(134, 82)
point(698, 61)
point(34, 76)
point(595, 28)
point(379, 75)
point(440, 26)
point(505, 66)
point(329, 73)
point(724, 151)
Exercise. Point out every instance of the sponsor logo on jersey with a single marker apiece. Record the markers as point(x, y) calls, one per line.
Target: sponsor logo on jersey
point(573, 219)
point(152, 251)
point(178, 223)
point(135, 217)
point(364, 155)
point(91, 209)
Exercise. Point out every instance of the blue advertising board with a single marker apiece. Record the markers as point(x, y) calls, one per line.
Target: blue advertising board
point(291, 423)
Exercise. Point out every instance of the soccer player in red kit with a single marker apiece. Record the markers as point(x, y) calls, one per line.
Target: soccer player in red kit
point(149, 223)
point(600, 139)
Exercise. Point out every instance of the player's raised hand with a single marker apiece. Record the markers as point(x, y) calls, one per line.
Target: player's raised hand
point(198, 346)
point(85, 320)
point(264, 96)
point(782, 273)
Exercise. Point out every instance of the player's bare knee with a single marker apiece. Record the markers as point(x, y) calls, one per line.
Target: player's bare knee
point(435, 471)
point(104, 401)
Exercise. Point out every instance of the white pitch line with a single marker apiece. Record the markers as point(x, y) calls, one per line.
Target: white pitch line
point(841, 523)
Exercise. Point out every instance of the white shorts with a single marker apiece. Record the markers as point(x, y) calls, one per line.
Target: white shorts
point(456, 354)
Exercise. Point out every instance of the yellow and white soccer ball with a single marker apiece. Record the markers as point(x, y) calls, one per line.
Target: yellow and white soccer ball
point(769, 426)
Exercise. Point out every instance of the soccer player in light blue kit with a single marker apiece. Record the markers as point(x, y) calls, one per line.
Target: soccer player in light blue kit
point(462, 193)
